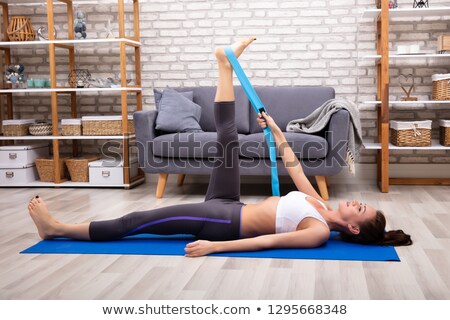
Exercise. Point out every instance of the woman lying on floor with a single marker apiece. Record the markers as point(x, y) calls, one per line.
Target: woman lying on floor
point(300, 219)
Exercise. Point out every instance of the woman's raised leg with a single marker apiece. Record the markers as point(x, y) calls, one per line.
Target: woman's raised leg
point(224, 182)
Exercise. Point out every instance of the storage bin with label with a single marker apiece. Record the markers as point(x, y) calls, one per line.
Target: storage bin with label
point(410, 133)
point(71, 127)
point(19, 155)
point(17, 127)
point(105, 125)
point(18, 176)
point(444, 132)
point(109, 172)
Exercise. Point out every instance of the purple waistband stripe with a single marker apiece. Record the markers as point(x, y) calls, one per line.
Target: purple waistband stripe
point(174, 219)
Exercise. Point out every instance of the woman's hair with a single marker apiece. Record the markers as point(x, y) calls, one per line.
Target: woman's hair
point(373, 232)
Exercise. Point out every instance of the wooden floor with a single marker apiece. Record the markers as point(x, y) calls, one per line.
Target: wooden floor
point(423, 273)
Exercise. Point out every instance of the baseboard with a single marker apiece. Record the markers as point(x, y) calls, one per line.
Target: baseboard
point(365, 174)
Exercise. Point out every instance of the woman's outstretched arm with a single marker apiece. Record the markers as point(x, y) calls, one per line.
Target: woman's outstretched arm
point(306, 238)
point(290, 160)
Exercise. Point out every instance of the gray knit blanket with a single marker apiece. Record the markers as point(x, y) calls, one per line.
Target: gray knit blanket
point(320, 117)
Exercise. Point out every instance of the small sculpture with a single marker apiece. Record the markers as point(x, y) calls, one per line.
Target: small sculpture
point(43, 34)
point(80, 26)
point(404, 81)
point(108, 29)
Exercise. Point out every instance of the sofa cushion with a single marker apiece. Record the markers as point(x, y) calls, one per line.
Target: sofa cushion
point(288, 103)
point(197, 145)
point(177, 113)
point(159, 93)
point(305, 146)
point(202, 145)
point(204, 96)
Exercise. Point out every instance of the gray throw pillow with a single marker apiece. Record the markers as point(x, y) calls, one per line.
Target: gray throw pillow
point(177, 113)
point(159, 93)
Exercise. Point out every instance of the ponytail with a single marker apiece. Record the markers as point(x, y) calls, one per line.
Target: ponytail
point(373, 232)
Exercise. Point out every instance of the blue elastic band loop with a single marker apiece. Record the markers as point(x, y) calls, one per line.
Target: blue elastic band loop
point(257, 105)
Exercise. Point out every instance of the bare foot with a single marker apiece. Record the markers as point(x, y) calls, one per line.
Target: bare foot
point(45, 223)
point(237, 47)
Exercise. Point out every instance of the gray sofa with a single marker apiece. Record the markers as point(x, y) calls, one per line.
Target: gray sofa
point(321, 154)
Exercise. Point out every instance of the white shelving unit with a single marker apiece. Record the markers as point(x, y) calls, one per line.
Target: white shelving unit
point(72, 46)
point(384, 59)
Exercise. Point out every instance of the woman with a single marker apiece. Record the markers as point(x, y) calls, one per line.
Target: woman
point(297, 220)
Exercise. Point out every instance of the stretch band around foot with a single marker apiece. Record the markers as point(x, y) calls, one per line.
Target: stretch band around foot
point(259, 108)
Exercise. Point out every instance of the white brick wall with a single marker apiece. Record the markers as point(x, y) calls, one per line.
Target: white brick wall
point(299, 43)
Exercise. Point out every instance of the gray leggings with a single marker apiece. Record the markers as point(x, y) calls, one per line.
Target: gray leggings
point(217, 218)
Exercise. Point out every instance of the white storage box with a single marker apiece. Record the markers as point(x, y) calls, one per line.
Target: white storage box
point(18, 156)
point(18, 176)
point(107, 172)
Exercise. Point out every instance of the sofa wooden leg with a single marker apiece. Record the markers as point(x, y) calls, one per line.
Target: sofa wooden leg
point(322, 184)
point(327, 180)
point(162, 180)
point(180, 179)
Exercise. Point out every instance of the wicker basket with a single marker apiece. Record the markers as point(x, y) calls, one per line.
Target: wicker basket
point(20, 29)
point(444, 132)
point(46, 169)
point(17, 127)
point(41, 129)
point(71, 127)
point(441, 87)
point(79, 169)
point(411, 134)
point(105, 125)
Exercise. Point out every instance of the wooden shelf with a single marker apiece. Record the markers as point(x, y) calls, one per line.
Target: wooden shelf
point(6, 138)
point(86, 42)
point(377, 146)
point(409, 12)
point(68, 89)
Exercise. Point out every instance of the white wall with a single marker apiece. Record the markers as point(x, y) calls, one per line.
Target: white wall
point(299, 43)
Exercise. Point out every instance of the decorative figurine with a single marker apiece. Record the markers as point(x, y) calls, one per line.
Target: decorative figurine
point(80, 26)
point(43, 34)
point(108, 29)
point(393, 4)
point(404, 81)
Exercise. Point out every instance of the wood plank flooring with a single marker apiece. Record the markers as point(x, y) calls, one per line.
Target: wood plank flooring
point(423, 273)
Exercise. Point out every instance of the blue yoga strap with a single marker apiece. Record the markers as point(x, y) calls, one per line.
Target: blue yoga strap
point(259, 107)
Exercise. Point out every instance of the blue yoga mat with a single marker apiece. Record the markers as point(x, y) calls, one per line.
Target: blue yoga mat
point(174, 246)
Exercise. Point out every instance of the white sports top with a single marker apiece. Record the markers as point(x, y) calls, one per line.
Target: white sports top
point(292, 209)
